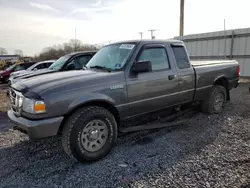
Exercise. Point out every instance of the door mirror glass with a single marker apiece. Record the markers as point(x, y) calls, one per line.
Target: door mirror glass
point(142, 66)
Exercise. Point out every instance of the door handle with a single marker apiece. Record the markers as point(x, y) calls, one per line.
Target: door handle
point(171, 77)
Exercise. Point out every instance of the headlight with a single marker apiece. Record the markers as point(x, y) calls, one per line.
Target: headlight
point(20, 101)
point(33, 106)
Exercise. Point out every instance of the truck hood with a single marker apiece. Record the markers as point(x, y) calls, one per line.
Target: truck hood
point(30, 74)
point(63, 81)
point(18, 73)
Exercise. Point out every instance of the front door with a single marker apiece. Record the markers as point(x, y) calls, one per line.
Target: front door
point(153, 90)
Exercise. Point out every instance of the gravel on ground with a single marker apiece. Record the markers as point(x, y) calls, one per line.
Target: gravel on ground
point(207, 151)
point(3, 100)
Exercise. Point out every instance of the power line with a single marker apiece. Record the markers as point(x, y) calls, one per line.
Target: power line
point(141, 34)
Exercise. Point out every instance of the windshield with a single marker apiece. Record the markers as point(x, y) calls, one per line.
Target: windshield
point(11, 67)
point(58, 64)
point(112, 56)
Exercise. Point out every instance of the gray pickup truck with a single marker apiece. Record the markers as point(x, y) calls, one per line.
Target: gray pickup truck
point(122, 80)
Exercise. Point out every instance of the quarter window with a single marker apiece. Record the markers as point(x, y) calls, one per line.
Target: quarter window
point(181, 57)
point(157, 56)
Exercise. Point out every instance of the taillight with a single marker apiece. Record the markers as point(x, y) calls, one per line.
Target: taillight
point(239, 71)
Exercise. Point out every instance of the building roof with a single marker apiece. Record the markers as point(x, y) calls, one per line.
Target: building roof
point(9, 56)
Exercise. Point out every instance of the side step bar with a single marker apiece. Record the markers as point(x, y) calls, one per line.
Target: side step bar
point(151, 126)
point(164, 122)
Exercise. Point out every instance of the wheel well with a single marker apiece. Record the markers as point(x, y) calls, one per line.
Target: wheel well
point(103, 104)
point(223, 81)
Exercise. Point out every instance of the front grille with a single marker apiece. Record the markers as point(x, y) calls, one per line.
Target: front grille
point(14, 101)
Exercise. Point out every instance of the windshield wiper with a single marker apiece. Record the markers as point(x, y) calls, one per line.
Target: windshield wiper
point(101, 67)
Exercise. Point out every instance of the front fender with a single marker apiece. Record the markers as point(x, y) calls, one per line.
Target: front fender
point(90, 97)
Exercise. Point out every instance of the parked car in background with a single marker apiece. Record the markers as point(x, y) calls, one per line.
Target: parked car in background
point(123, 80)
point(5, 74)
point(36, 66)
point(73, 61)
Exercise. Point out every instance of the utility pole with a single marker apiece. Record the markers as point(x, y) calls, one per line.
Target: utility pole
point(152, 33)
point(75, 39)
point(225, 46)
point(181, 17)
point(141, 34)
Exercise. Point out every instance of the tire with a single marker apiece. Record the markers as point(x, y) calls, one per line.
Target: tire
point(209, 105)
point(82, 127)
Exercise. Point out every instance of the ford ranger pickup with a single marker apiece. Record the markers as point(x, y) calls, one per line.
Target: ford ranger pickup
point(123, 80)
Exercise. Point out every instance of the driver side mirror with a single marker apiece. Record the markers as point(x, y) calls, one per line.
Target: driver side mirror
point(142, 66)
point(70, 66)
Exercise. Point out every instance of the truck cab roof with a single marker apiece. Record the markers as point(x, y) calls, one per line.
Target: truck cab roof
point(83, 52)
point(148, 41)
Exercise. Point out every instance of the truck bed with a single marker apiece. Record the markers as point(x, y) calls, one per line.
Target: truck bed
point(207, 72)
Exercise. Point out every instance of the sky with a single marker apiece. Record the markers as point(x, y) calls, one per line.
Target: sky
point(31, 25)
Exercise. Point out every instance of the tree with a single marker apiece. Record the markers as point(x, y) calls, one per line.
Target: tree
point(57, 51)
point(3, 51)
point(75, 44)
point(18, 52)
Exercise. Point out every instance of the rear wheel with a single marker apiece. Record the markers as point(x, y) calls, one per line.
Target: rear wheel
point(216, 100)
point(89, 133)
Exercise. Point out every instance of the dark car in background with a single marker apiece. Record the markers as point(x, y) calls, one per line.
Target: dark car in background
point(72, 61)
point(5, 74)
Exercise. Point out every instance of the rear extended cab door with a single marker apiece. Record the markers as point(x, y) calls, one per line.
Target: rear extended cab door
point(186, 73)
point(154, 90)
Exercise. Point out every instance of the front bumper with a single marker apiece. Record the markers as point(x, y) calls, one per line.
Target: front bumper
point(36, 129)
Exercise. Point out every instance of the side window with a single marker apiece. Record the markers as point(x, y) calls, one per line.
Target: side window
point(73, 61)
point(157, 56)
point(47, 65)
point(83, 60)
point(80, 61)
point(181, 57)
point(41, 66)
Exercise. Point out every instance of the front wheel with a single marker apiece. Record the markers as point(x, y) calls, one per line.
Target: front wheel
point(89, 133)
point(215, 102)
